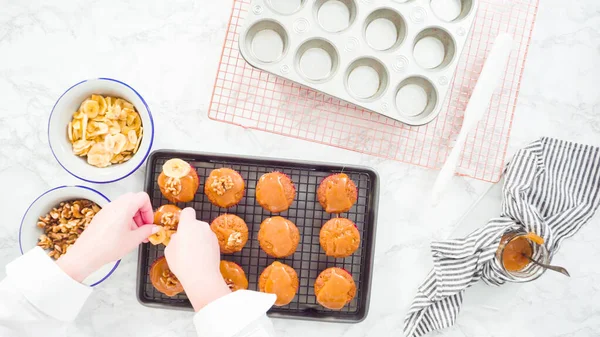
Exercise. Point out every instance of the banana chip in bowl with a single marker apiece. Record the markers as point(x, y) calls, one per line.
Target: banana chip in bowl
point(100, 130)
point(105, 130)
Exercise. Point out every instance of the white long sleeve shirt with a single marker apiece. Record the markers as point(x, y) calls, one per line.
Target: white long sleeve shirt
point(28, 308)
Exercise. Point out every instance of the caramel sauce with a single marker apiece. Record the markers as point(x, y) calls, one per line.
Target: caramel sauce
point(189, 185)
point(230, 196)
point(170, 212)
point(512, 256)
point(169, 284)
point(334, 294)
point(224, 232)
point(233, 275)
point(336, 194)
point(342, 237)
point(271, 192)
point(280, 283)
point(277, 230)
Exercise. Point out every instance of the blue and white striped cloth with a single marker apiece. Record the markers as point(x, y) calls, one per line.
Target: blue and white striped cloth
point(552, 188)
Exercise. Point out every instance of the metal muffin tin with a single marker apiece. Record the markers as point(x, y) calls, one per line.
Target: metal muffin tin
point(402, 89)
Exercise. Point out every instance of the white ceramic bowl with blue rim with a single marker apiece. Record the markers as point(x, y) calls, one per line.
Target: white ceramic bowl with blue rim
point(62, 113)
point(29, 232)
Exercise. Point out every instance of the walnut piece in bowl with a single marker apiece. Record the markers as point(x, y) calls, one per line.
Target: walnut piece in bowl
point(63, 224)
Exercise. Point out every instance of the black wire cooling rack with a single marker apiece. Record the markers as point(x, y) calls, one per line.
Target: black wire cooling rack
point(306, 212)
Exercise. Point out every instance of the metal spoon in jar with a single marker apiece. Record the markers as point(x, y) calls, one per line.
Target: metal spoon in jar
point(547, 266)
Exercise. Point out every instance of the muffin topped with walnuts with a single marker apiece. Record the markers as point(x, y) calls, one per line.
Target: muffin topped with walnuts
point(178, 181)
point(224, 187)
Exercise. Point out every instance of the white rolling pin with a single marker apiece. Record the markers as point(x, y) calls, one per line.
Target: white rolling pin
point(490, 76)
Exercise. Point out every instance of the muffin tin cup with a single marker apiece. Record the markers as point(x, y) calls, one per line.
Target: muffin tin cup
point(334, 16)
point(266, 41)
point(317, 60)
point(388, 44)
point(309, 259)
point(434, 48)
point(382, 38)
point(285, 7)
point(366, 79)
point(446, 10)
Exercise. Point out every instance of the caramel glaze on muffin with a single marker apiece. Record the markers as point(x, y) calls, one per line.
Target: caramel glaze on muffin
point(167, 217)
point(281, 280)
point(224, 187)
point(178, 181)
point(337, 193)
point(233, 275)
point(278, 236)
point(231, 232)
point(163, 279)
point(334, 288)
point(339, 237)
point(275, 192)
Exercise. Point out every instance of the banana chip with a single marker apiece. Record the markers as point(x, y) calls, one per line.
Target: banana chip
point(81, 147)
point(70, 131)
point(117, 159)
point(117, 143)
point(123, 104)
point(106, 130)
point(101, 104)
point(84, 126)
point(114, 128)
point(109, 102)
point(78, 115)
point(96, 129)
point(99, 155)
point(134, 121)
point(90, 108)
point(114, 112)
point(139, 141)
point(132, 137)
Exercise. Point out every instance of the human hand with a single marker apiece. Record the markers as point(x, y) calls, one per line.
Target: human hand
point(114, 232)
point(193, 256)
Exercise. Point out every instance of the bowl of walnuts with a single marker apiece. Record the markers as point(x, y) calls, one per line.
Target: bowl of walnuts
point(100, 130)
point(55, 220)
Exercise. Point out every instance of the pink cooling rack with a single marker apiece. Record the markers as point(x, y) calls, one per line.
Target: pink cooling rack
point(258, 100)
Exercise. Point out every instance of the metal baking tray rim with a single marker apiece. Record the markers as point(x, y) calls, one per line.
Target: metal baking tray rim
point(286, 161)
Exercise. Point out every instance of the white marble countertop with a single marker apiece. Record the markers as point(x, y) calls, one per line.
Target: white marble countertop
point(168, 50)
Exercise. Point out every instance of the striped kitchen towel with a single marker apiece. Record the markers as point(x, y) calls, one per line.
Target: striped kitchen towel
point(551, 187)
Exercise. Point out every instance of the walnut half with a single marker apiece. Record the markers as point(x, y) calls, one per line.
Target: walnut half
point(168, 220)
point(169, 279)
point(221, 185)
point(173, 186)
point(234, 238)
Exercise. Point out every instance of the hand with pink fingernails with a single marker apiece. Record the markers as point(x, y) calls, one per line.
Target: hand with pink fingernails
point(193, 256)
point(115, 231)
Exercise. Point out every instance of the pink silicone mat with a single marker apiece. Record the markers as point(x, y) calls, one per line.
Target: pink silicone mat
point(254, 99)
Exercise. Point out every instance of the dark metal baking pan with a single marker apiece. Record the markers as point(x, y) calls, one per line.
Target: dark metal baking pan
point(306, 212)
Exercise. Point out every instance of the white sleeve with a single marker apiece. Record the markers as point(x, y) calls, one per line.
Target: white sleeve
point(239, 314)
point(37, 297)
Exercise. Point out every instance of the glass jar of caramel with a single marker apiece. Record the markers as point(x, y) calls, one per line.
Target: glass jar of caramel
point(515, 247)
